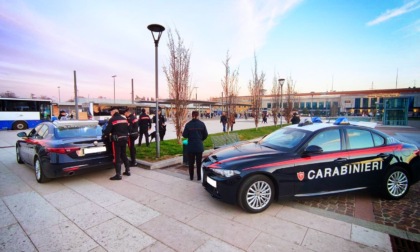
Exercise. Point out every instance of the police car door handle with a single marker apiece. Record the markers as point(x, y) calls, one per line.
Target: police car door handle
point(382, 155)
point(340, 160)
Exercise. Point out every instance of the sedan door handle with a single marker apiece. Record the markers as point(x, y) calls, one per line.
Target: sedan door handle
point(383, 155)
point(340, 160)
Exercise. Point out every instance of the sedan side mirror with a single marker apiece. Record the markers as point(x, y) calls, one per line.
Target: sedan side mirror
point(22, 134)
point(312, 149)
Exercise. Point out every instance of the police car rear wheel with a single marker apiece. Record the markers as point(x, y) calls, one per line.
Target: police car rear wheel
point(396, 183)
point(256, 194)
point(39, 172)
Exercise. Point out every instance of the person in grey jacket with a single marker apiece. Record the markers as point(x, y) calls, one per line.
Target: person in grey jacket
point(196, 132)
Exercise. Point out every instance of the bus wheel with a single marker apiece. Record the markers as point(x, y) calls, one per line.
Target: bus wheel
point(19, 125)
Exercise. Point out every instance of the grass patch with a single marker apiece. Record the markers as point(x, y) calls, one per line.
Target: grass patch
point(171, 148)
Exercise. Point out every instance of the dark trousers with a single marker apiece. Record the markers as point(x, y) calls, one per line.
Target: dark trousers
point(195, 157)
point(120, 156)
point(132, 147)
point(162, 134)
point(144, 132)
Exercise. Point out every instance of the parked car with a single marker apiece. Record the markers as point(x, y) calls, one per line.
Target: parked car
point(63, 148)
point(311, 159)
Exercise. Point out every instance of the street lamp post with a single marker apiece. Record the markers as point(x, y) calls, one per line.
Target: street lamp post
point(281, 82)
point(113, 76)
point(156, 29)
point(312, 104)
point(59, 97)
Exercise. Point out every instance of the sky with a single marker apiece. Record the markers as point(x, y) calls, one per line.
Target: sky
point(321, 45)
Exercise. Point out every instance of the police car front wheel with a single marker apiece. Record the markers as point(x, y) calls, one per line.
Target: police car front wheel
point(256, 194)
point(396, 183)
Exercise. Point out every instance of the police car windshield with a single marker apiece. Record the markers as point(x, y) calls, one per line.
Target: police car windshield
point(78, 132)
point(285, 138)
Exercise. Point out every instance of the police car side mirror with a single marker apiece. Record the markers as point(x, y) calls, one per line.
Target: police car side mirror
point(312, 149)
point(22, 134)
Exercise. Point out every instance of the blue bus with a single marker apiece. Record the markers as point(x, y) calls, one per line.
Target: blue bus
point(20, 113)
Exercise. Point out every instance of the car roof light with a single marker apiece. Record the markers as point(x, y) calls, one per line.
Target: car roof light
point(316, 120)
point(342, 121)
point(75, 124)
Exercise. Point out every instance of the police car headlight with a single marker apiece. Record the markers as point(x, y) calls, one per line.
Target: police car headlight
point(226, 173)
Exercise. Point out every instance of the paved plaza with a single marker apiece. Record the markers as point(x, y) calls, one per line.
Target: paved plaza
point(162, 210)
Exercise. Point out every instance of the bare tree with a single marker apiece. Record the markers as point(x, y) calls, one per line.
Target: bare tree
point(256, 89)
point(8, 94)
point(275, 100)
point(178, 76)
point(230, 89)
point(290, 93)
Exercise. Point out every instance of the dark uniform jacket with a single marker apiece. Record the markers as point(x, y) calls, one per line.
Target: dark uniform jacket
point(144, 122)
point(133, 124)
point(196, 132)
point(117, 126)
point(162, 120)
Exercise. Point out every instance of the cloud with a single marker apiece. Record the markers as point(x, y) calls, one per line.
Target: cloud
point(408, 7)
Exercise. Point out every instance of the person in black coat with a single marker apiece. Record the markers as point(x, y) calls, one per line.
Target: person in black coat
point(295, 118)
point(145, 124)
point(162, 126)
point(196, 132)
point(117, 130)
point(133, 129)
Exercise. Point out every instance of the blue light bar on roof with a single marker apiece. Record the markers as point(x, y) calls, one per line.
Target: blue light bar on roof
point(342, 121)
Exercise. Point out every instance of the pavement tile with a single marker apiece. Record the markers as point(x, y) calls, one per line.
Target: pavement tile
point(65, 198)
point(94, 192)
point(267, 242)
point(323, 242)
point(133, 212)
point(11, 184)
point(87, 215)
point(280, 228)
point(175, 234)
point(226, 230)
point(13, 238)
point(324, 224)
point(118, 235)
point(175, 209)
point(7, 217)
point(217, 245)
point(215, 206)
point(33, 212)
point(371, 238)
point(158, 247)
point(65, 236)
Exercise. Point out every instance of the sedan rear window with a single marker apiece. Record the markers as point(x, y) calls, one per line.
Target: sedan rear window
point(78, 132)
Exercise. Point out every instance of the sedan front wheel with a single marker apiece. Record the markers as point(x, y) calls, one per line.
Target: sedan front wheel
point(256, 194)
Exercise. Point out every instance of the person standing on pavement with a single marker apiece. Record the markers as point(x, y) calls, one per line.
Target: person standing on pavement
point(133, 131)
point(145, 124)
point(223, 120)
point(196, 132)
point(295, 118)
point(162, 124)
point(117, 130)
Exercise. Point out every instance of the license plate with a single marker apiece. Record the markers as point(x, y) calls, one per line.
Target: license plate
point(212, 182)
point(94, 150)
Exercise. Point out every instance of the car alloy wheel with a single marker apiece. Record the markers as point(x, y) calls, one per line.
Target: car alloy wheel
point(18, 157)
point(39, 173)
point(397, 184)
point(256, 194)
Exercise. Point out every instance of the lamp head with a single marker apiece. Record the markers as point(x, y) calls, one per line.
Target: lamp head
point(158, 29)
point(281, 82)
